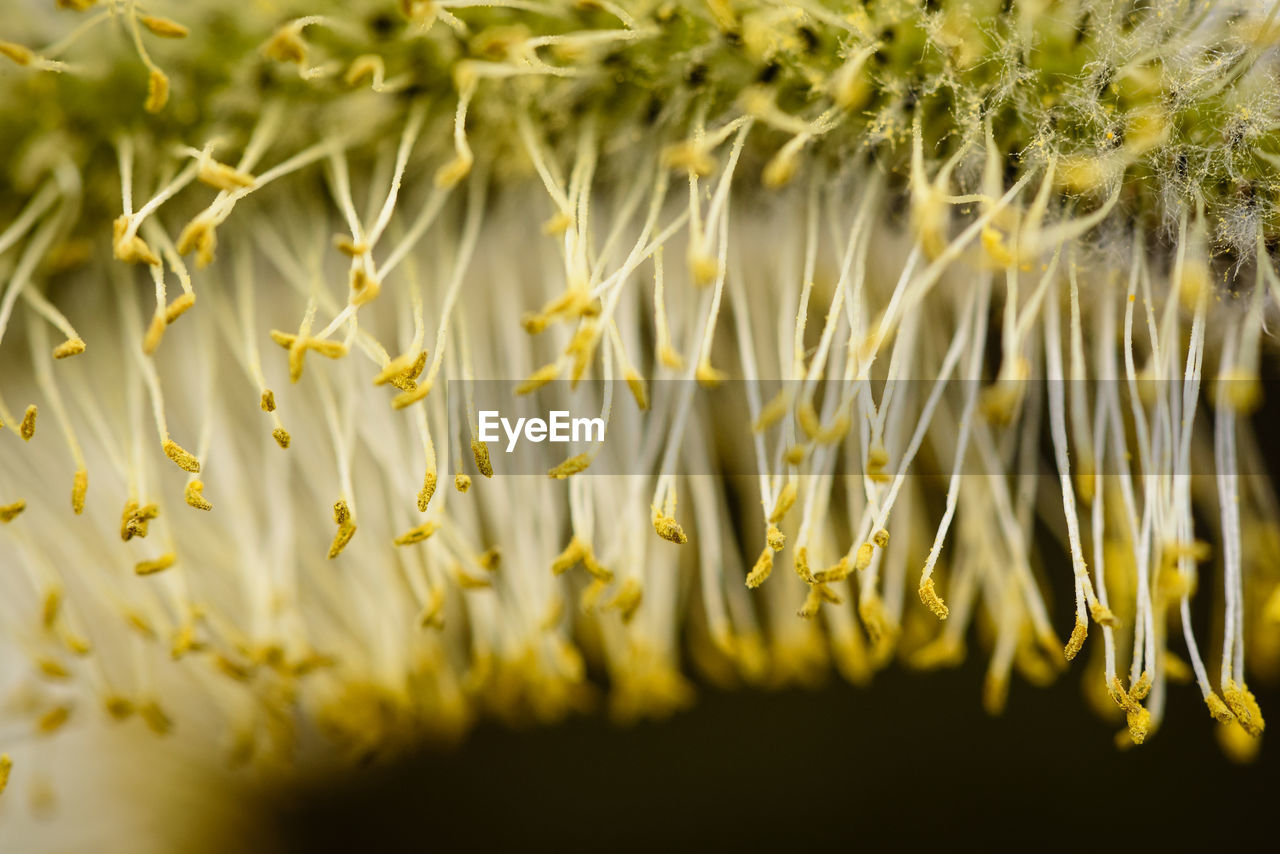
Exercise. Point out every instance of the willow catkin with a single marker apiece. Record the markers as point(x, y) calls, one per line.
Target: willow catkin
point(966, 237)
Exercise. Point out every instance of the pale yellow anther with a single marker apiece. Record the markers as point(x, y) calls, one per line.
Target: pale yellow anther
point(164, 27)
point(880, 538)
point(627, 600)
point(1140, 689)
point(27, 428)
point(668, 528)
point(68, 348)
point(194, 496)
point(490, 559)
point(52, 668)
point(160, 564)
point(639, 390)
point(220, 176)
point(51, 606)
point(119, 708)
point(6, 768)
point(9, 512)
point(448, 175)
point(21, 54)
point(593, 567)
point(199, 236)
point(184, 640)
point(154, 717)
point(569, 467)
point(433, 612)
point(772, 411)
point(157, 91)
point(480, 451)
point(155, 332)
point(468, 581)
point(995, 692)
point(408, 398)
point(689, 155)
point(832, 574)
point(364, 288)
point(801, 565)
point(775, 538)
point(416, 535)
point(268, 402)
point(428, 490)
point(812, 603)
point(53, 720)
point(369, 65)
point(794, 455)
point(282, 437)
point(557, 224)
point(591, 595)
point(183, 459)
point(1076, 641)
point(462, 482)
point(786, 499)
point(286, 45)
point(866, 552)
point(762, 570)
point(929, 596)
point(135, 518)
point(178, 307)
point(1102, 615)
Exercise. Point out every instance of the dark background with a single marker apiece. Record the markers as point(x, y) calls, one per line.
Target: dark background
point(913, 760)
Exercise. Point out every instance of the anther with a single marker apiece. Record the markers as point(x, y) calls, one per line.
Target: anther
point(929, 596)
point(164, 27)
point(27, 428)
point(195, 496)
point(183, 459)
point(282, 437)
point(160, 564)
point(571, 466)
point(480, 451)
point(9, 512)
point(416, 535)
point(68, 348)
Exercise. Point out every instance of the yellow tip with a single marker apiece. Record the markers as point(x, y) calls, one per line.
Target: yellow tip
point(195, 496)
point(27, 428)
point(9, 512)
point(763, 568)
point(461, 482)
point(182, 458)
point(1076, 641)
point(160, 564)
point(929, 596)
point(480, 451)
point(68, 348)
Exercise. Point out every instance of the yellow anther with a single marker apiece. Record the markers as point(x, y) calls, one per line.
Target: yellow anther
point(639, 390)
point(997, 252)
point(428, 490)
point(786, 499)
point(184, 640)
point(812, 603)
point(231, 668)
point(201, 237)
point(178, 307)
point(364, 288)
point(801, 565)
point(163, 27)
point(50, 607)
point(627, 600)
point(76, 644)
point(929, 596)
point(1076, 641)
point(369, 65)
point(157, 91)
point(593, 567)
point(344, 244)
point(155, 718)
point(490, 559)
point(182, 459)
point(408, 398)
point(282, 437)
point(795, 455)
point(416, 535)
point(571, 466)
point(27, 428)
point(155, 331)
point(480, 451)
point(346, 528)
point(397, 367)
point(842, 570)
point(462, 482)
point(52, 720)
point(68, 348)
point(470, 582)
point(1141, 688)
point(130, 249)
point(160, 564)
point(433, 612)
point(689, 155)
point(772, 411)
point(140, 624)
point(21, 54)
point(9, 512)
point(709, 377)
point(557, 224)
point(286, 45)
point(1245, 707)
point(941, 652)
point(194, 496)
point(762, 569)
point(866, 552)
point(775, 538)
point(871, 612)
point(6, 768)
point(881, 538)
point(1218, 709)
point(119, 708)
point(448, 175)
point(995, 692)
point(1102, 615)
point(134, 519)
point(1139, 720)
point(668, 528)
point(52, 668)
point(568, 558)
point(591, 595)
